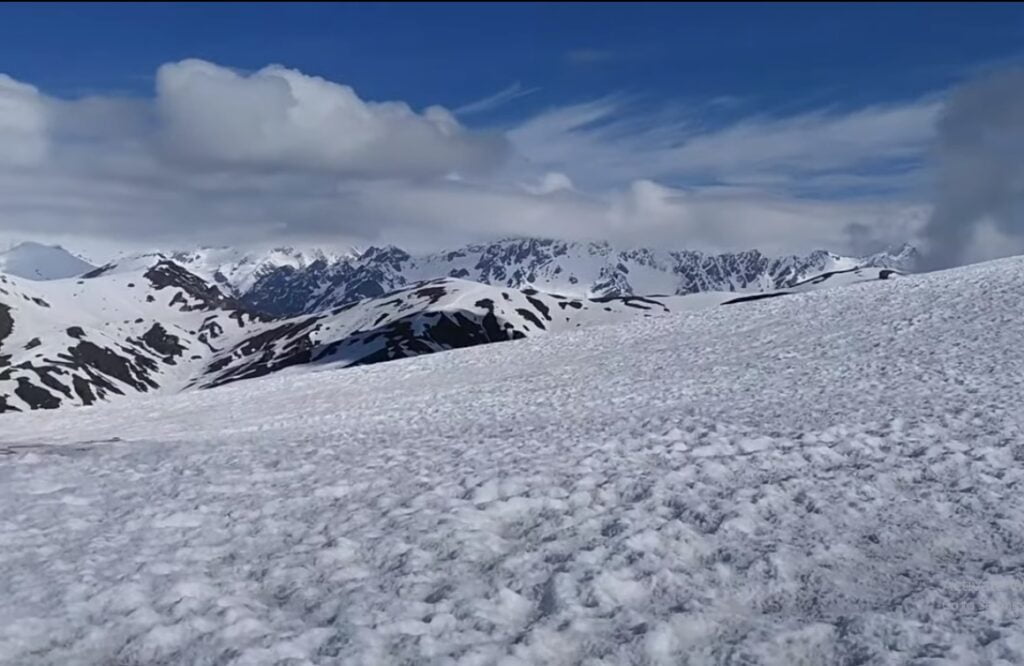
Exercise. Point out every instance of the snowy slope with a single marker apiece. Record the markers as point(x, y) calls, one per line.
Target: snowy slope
point(35, 261)
point(425, 318)
point(831, 477)
point(116, 331)
point(447, 313)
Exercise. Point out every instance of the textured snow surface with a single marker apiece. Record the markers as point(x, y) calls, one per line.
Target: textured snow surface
point(831, 477)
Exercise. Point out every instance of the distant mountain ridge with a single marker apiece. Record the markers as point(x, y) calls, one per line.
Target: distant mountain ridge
point(287, 282)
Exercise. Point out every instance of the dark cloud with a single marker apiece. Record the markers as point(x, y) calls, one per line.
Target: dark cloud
point(979, 172)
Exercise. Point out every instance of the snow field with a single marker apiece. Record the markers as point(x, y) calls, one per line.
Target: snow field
point(830, 477)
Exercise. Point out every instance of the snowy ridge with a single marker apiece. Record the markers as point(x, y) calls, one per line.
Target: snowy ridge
point(34, 261)
point(834, 278)
point(828, 478)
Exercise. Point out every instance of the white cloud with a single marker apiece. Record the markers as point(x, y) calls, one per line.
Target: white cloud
point(612, 145)
point(281, 118)
point(642, 213)
point(217, 156)
point(23, 123)
point(552, 181)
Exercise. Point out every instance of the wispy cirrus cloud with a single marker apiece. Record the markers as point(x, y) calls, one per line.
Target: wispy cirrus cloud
point(498, 99)
point(609, 141)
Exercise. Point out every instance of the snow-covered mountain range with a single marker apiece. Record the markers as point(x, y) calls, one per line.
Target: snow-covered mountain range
point(285, 282)
point(149, 323)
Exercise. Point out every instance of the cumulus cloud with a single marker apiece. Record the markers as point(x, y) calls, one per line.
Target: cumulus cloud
point(281, 118)
point(979, 205)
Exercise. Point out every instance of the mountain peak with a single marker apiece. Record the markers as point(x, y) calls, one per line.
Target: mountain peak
point(903, 257)
point(36, 261)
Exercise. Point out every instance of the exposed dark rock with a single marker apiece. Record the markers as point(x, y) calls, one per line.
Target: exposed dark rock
point(262, 355)
point(5, 406)
point(755, 297)
point(540, 307)
point(162, 342)
point(34, 396)
point(108, 363)
point(530, 317)
point(83, 390)
point(169, 275)
point(6, 323)
point(99, 271)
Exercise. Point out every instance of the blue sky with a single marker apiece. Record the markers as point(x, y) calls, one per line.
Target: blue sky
point(776, 57)
point(813, 110)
